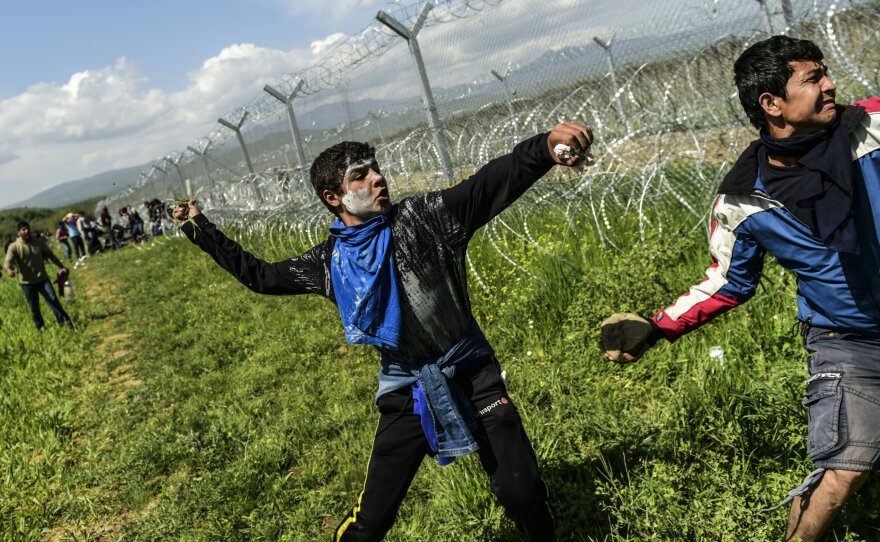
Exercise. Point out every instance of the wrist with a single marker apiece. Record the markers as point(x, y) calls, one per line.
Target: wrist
point(656, 333)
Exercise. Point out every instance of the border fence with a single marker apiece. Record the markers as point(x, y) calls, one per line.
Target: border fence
point(442, 88)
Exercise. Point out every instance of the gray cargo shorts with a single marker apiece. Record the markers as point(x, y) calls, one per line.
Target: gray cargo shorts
point(843, 397)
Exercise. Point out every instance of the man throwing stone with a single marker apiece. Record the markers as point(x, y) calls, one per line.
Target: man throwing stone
point(808, 192)
point(397, 274)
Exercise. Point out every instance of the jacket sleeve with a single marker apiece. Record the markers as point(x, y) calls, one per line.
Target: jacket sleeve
point(10, 258)
point(479, 198)
point(51, 255)
point(731, 280)
point(305, 274)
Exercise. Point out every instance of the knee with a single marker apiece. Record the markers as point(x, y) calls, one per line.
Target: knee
point(520, 495)
point(845, 482)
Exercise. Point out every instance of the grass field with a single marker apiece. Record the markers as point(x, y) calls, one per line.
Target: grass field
point(184, 407)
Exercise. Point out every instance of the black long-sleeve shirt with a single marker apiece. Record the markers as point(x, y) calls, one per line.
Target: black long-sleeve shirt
point(430, 231)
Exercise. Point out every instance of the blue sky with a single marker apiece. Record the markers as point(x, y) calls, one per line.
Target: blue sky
point(156, 52)
point(50, 40)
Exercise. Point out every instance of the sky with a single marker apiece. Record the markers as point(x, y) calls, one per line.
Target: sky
point(95, 85)
point(90, 86)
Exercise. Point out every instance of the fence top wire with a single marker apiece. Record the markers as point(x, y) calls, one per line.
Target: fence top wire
point(659, 90)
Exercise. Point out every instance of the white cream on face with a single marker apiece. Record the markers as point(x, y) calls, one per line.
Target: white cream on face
point(358, 202)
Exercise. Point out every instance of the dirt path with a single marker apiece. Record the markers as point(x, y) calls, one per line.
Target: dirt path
point(111, 365)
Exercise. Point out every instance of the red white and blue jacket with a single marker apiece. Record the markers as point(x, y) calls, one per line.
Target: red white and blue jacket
point(836, 290)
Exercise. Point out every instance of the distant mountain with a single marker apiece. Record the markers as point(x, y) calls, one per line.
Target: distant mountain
point(70, 192)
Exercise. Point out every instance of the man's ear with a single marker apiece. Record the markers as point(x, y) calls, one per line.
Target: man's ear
point(331, 197)
point(770, 104)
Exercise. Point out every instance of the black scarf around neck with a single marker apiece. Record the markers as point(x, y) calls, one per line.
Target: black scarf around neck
point(827, 184)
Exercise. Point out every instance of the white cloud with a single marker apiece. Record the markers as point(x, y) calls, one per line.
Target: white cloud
point(234, 77)
point(109, 118)
point(92, 105)
point(319, 47)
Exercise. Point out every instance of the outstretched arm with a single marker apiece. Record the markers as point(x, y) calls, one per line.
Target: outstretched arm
point(300, 275)
point(479, 198)
point(731, 280)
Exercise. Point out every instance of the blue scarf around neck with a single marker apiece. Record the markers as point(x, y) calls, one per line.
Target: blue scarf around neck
point(365, 282)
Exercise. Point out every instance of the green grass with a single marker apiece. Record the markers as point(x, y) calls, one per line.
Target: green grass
point(184, 407)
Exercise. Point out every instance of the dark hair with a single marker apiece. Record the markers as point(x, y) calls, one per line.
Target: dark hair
point(329, 167)
point(765, 67)
point(23, 224)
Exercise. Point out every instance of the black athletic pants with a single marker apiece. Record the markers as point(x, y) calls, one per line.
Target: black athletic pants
point(400, 446)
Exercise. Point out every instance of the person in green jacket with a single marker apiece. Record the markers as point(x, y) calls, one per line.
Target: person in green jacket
point(28, 255)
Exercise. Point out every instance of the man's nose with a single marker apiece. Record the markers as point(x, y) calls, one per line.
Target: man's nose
point(828, 85)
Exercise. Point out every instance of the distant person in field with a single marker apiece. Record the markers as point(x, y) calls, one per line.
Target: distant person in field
point(79, 247)
point(156, 210)
point(81, 226)
point(808, 192)
point(106, 224)
point(27, 255)
point(92, 233)
point(137, 225)
point(62, 237)
point(397, 274)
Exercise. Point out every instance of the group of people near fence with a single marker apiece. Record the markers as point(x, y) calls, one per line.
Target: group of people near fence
point(79, 236)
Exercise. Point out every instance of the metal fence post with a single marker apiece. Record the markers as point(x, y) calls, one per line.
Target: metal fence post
point(201, 155)
point(237, 129)
point(510, 94)
point(144, 179)
point(606, 45)
point(778, 15)
point(247, 157)
point(175, 163)
point(377, 116)
point(168, 191)
point(294, 128)
point(428, 97)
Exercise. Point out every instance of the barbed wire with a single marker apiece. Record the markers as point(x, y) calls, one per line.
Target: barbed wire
point(664, 110)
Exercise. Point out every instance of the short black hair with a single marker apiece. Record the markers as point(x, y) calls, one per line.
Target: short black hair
point(329, 167)
point(766, 67)
point(23, 224)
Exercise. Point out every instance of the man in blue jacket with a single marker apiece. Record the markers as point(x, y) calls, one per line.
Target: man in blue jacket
point(808, 192)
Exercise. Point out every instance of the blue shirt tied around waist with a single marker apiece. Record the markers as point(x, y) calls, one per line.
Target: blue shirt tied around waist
point(365, 282)
point(446, 414)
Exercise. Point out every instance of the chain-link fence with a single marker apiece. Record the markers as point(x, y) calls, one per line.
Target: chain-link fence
point(653, 79)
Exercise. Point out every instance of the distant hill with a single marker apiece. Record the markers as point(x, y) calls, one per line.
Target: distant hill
point(41, 219)
point(71, 192)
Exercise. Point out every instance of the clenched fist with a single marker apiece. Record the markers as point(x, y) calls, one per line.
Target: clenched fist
point(625, 337)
